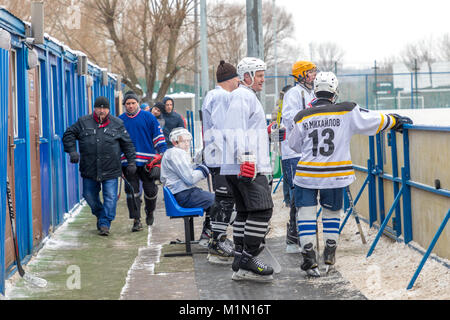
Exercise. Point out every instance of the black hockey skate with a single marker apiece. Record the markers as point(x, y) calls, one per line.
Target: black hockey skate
point(220, 251)
point(329, 254)
point(253, 269)
point(309, 261)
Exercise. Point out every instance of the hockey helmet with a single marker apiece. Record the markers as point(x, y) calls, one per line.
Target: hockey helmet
point(178, 133)
point(300, 67)
point(326, 82)
point(250, 65)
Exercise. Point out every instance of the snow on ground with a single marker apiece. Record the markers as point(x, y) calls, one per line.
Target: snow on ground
point(387, 272)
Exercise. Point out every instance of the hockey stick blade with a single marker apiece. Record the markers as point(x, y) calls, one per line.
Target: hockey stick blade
point(355, 215)
point(272, 261)
point(36, 281)
point(39, 282)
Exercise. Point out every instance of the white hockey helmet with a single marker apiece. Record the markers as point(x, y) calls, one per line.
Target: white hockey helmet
point(176, 133)
point(326, 82)
point(250, 65)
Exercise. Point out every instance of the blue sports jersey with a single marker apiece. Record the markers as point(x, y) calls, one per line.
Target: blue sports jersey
point(146, 134)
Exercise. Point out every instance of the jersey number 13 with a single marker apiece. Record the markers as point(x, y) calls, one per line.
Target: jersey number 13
point(328, 147)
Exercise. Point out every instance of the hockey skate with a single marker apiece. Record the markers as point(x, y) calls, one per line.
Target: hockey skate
point(220, 251)
point(253, 269)
point(291, 239)
point(329, 255)
point(309, 264)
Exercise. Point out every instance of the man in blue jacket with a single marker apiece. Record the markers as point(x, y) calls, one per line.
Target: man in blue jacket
point(149, 142)
point(172, 119)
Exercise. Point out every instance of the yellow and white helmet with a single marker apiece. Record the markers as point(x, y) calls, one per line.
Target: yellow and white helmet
point(300, 67)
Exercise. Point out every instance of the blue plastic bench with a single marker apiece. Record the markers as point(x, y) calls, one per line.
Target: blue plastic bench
point(174, 210)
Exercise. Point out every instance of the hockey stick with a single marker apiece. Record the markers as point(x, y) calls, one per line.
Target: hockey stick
point(355, 215)
point(132, 191)
point(39, 282)
point(271, 258)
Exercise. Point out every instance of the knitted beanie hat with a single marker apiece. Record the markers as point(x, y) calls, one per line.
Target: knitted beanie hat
point(225, 71)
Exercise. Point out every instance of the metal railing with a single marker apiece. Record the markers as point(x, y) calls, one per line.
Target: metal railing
point(402, 189)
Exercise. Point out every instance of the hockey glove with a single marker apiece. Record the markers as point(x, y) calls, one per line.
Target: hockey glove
point(248, 167)
point(131, 169)
point(74, 157)
point(400, 121)
point(276, 134)
point(204, 169)
point(153, 166)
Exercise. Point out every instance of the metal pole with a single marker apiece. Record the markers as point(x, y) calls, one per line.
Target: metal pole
point(196, 73)
point(275, 67)
point(204, 49)
point(255, 43)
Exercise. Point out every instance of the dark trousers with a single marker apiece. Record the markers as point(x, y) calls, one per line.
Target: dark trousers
point(222, 208)
point(254, 209)
point(150, 192)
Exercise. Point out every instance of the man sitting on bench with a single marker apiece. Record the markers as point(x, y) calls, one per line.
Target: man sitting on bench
point(180, 175)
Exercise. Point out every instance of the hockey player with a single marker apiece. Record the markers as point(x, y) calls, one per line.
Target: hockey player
point(245, 165)
point(148, 139)
point(322, 135)
point(180, 175)
point(215, 106)
point(295, 99)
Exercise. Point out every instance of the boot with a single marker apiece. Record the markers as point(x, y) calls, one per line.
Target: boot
point(150, 218)
point(329, 253)
point(137, 225)
point(309, 261)
point(253, 269)
point(219, 251)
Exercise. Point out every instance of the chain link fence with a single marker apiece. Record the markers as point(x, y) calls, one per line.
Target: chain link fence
point(409, 90)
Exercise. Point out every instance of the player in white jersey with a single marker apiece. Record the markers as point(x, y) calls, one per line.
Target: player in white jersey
point(215, 106)
point(246, 163)
point(322, 135)
point(295, 99)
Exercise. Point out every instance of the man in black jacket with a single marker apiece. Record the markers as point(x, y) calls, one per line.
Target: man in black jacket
point(172, 119)
point(102, 138)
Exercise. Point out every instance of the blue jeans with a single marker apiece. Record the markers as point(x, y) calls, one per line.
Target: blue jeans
point(106, 211)
point(289, 167)
point(195, 198)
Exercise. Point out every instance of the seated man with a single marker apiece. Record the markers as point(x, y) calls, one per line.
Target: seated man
point(180, 175)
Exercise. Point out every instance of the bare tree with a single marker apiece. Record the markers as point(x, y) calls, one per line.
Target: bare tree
point(420, 52)
point(227, 32)
point(444, 47)
point(326, 55)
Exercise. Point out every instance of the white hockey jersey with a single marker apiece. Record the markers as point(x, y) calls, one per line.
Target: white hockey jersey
point(295, 100)
point(214, 109)
point(323, 133)
point(245, 130)
point(178, 172)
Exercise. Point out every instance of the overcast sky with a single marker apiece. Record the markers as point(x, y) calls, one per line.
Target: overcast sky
point(368, 30)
